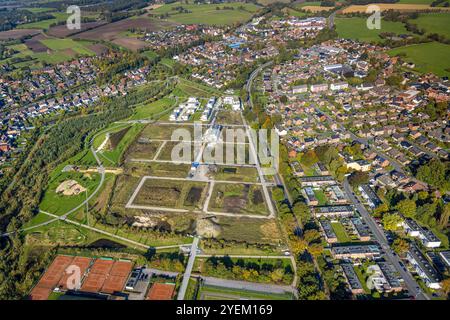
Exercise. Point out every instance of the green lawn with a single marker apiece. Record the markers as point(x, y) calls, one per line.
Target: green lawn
point(187, 88)
point(321, 197)
point(59, 204)
point(428, 57)
point(113, 157)
point(147, 110)
point(356, 28)
point(207, 13)
point(434, 23)
point(341, 234)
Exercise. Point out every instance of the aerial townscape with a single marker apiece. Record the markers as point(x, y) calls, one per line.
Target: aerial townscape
point(224, 150)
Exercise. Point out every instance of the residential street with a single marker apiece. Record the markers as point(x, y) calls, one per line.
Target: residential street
point(410, 283)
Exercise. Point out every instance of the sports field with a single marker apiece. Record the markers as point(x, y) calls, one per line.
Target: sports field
point(222, 293)
point(208, 13)
point(356, 28)
point(428, 57)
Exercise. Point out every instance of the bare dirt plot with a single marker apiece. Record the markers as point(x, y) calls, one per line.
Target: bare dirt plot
point(62, 31)
point(18, 33)
point(98, 48)
point(140, 169)
point(177, 151)
point(143, 149)
point(114, 31)
point(250, 230)
point(164, 132)
point(173, 194)
point(35, 45)
point(228, 117)
point(130, 43)
point(238, 198)
point(392, 6)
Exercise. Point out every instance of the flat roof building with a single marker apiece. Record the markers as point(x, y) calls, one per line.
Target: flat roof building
point(362, 251)
point(330, 235)
point(333, 211)
point(352, 279)
point(361, 229)
point(423, 268)
point(317, 181)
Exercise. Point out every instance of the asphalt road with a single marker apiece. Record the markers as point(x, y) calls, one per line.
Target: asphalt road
point(188, 271)
point(389, 255)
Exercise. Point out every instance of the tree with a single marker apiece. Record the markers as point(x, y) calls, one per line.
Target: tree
point(301, 211)
point(445, 287)
point(400, 246)
point(298, 246)
point(382, 208)
point(316, 249)
point(309, 158)
point(391, 221)
point(278, 194)
point(277, 275)
point(311, 235)
point(407, 208)
point(358, 178)
point(445, 214)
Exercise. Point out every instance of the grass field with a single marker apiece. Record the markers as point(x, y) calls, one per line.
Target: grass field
point(64, 44)
point(45, 24)
point(207, 13)
point(186, 88)
point(59, 204)
point(114, 156)
point(149, 110)
point(222, 293)
point(434, 23)
point(428, 57)
point(356, 28)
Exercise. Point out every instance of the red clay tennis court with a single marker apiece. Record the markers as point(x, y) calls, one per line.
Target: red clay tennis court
point(161, 291)
point(40, 293)
point(81, 262)
point(93, 283)
point(117, 277)
point(53, 274)
point(102, 266)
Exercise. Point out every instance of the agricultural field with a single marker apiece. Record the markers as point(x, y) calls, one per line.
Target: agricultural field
point(17, 33)
point(408, 7)
point(355, 28)
point(238, 198)
point(427, 57)
point(434, 23)
point(207, 13)
point(78, 47)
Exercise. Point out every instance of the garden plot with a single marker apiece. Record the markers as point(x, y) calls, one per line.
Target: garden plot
point(168, 194)
point(238, 199)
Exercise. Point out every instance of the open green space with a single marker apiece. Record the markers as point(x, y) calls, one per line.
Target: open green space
point(340, 232)
point(186, 88)
point(150, 110)
point(58, 203)
point(321, 197)
point(427, 57)
point(114, 156)
point(207, 13)
point(434, 23)
point(356, 28)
